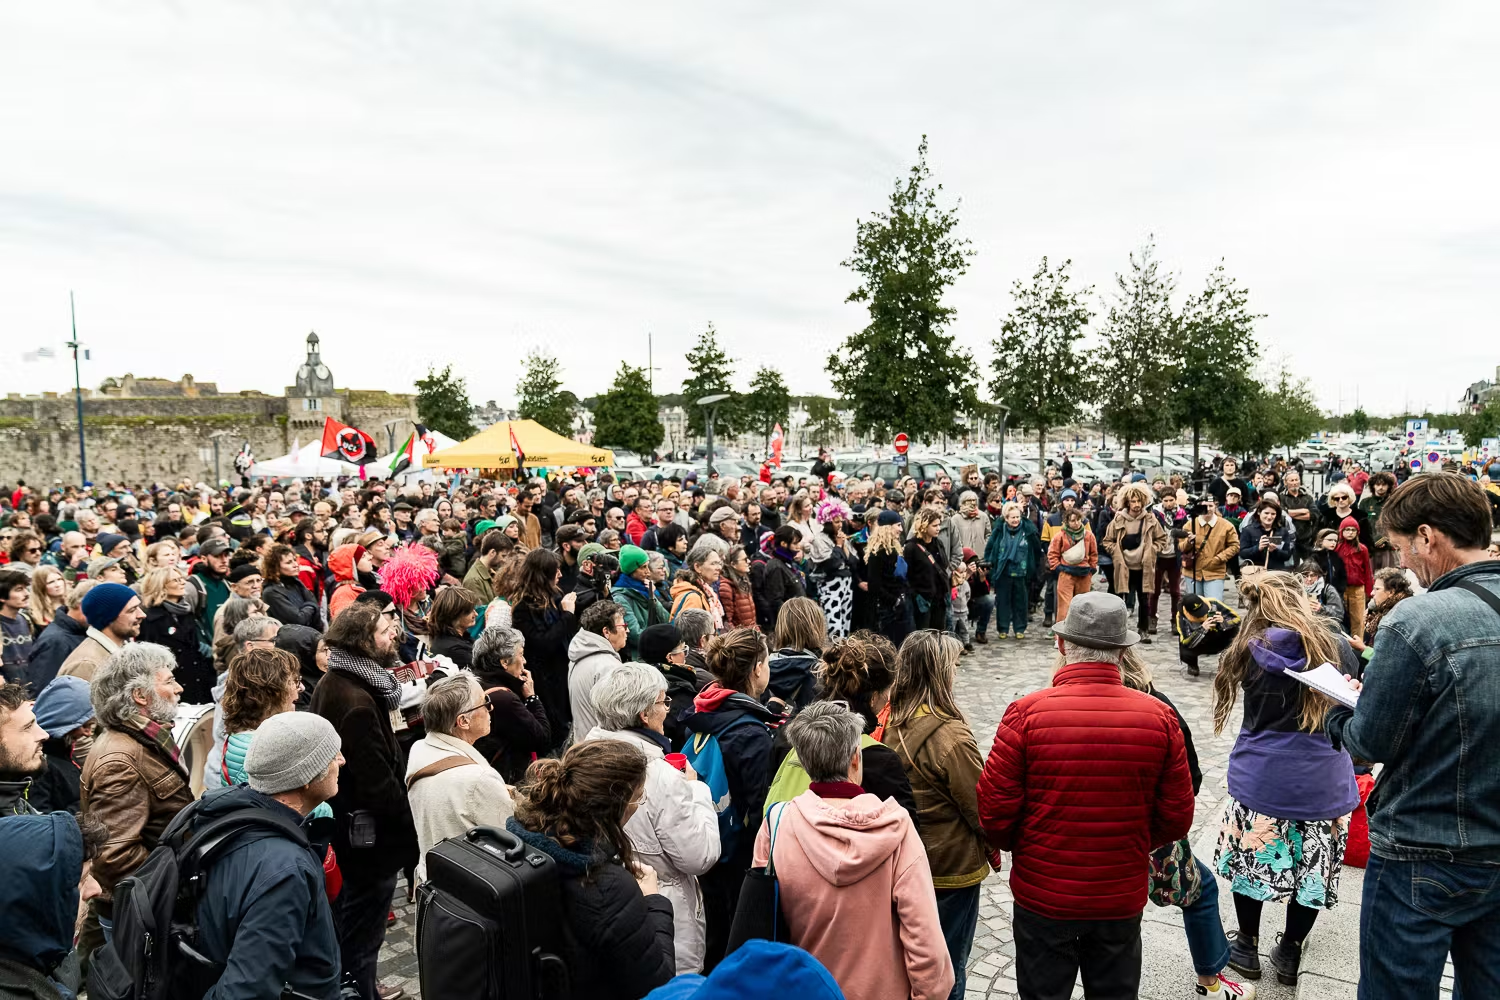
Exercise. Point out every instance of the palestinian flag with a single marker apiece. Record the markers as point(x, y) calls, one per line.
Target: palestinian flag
point(347, 444)
point(403, 459)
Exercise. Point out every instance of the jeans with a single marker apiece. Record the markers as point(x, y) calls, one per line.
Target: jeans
point(107, 928)
point(1207, 588)
point(1010, 604)
point(1136, 597)
point(363, 907)
point(984, 609)
point(1050, 954)
point(1049, 601)
point(1413, 914)
point(896, 623)
point(958, 915)
point(1206, 940)
point(1169, 579)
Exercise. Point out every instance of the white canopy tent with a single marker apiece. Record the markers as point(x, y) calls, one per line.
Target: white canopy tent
point(304, 463)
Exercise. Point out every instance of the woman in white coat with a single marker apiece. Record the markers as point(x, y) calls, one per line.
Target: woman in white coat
point(675, 830)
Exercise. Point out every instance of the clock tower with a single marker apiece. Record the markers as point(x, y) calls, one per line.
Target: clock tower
point(313, 397)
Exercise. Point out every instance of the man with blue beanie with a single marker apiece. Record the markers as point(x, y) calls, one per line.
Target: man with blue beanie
point(114, 614)
point(66, 715)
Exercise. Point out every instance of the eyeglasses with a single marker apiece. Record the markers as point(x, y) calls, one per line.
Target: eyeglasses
point(488, 705)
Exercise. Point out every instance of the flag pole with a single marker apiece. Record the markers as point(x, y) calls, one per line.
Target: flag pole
point(83, 465)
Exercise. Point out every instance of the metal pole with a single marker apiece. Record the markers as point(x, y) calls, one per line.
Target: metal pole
point(217, 480)
point(1004, 413)
point(83, 463)
point(710, 428)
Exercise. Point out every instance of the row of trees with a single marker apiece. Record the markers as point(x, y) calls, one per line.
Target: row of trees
point(1153, 369)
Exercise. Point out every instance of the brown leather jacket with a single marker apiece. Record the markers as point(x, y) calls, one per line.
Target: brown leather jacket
point(942, 760)
point(1211, 548)
point(134, 790)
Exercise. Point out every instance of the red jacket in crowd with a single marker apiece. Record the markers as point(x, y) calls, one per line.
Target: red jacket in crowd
point(635, 528)
point(1084, 779)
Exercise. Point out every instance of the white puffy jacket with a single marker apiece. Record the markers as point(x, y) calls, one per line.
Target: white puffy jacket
point(676, 832)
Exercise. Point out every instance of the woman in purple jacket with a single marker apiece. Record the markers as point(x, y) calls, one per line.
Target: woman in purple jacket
point(1290, 791)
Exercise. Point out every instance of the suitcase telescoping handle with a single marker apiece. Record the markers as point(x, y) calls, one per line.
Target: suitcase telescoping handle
point(497, 841)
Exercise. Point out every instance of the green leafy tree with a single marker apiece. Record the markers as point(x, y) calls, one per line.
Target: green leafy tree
point(823, 423)
point(443, 403)
point(541, 395)
point(767, 404)
point(1215, 351)
point(903, 371)
point(625, 416)
point(710, 371)
point(1485, 423)
point(1040, 372)
point(1361, 420)
point(1135, 361)
point(1249, 430)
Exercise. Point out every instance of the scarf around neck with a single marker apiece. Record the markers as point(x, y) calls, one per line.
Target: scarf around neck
point(366, 670)
point(154, 734)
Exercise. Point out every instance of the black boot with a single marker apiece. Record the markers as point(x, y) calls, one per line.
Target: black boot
point(1047, 620)
point(1286, 959)
point(1244, 956)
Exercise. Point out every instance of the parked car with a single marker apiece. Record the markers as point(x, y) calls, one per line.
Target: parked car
point(924, 469)
point(729, 468)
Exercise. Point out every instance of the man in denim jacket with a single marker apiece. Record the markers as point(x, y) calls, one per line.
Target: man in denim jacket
point(1430, 711)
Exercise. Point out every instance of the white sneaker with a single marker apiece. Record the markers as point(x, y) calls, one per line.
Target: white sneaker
point(1227, 988)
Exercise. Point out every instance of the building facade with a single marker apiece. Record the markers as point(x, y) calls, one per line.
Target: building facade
point(143, 430)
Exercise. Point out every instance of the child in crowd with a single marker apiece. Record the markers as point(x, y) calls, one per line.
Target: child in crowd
point(1359, 579)
point(960, 605)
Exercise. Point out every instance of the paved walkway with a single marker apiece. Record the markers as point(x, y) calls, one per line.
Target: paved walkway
point(997, 674)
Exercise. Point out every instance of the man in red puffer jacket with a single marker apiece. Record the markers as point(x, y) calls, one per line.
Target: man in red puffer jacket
point(1084, 779)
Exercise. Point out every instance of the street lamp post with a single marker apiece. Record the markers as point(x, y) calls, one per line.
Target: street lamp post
point(710, 406)
point(1004, 413)
point(83, 465)
point(390, 431)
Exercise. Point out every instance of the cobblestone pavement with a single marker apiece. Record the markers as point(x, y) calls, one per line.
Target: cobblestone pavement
point(998, 673)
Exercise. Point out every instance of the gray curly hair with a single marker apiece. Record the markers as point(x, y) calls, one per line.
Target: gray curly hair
point(131, 670)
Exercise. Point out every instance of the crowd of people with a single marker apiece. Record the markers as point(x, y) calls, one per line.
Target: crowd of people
point(664, 685)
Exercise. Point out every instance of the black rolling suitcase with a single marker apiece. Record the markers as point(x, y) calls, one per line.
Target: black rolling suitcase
point(489, 921)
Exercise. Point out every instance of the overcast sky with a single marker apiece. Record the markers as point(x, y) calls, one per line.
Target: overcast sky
point(450, 181)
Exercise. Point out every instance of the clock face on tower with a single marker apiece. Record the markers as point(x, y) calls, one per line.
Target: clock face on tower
point(322, 371)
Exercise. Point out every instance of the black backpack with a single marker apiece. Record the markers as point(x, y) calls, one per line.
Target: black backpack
point(153, 954)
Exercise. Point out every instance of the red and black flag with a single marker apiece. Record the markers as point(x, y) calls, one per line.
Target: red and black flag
point(347, 444)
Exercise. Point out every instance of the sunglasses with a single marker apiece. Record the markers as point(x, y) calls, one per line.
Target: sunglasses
point(488, 705)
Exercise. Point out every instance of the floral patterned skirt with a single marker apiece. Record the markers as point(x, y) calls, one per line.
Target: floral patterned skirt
point(1277, 860)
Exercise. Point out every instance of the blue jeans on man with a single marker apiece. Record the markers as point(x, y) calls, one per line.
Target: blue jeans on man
point(1207, 588)
point(1207, 943)
point(1414, 913)
point(958, 915)
point(984, 607)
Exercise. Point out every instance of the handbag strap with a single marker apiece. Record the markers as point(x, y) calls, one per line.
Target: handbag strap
point(1483, 594)
point(438, 767)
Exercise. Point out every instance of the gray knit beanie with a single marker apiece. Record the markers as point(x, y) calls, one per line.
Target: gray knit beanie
point(290, 750)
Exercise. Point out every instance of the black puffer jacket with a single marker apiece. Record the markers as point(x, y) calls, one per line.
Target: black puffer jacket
point(746, 748)
point(291, 603)
point(617, 943)
point(177, 631)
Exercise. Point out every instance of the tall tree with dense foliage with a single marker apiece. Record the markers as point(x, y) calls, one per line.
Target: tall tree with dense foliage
point(1041, 372)
point(710, 372)
point(767, 403)
point(823, 424)
point(443, 403)
point(625, 416)
point(541, 395)
point(903, 371)
point(1135, 362)
point(1216, 351)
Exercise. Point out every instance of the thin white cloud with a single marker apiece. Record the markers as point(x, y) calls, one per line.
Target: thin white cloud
point(456, 181)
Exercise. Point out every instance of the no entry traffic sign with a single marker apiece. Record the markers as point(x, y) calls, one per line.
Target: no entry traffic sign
point(901, 443)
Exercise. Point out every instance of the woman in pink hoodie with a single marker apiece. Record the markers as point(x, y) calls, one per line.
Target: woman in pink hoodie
point(852, 869)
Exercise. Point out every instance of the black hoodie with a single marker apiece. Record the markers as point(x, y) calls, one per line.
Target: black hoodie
point(302, 642)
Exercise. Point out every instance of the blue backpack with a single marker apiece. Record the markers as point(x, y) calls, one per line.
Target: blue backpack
point(703, 752)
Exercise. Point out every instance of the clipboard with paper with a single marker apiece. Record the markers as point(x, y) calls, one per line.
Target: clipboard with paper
point(1329, 680)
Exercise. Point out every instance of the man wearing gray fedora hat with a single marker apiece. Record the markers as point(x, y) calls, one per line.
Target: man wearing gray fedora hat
point(1085, 777)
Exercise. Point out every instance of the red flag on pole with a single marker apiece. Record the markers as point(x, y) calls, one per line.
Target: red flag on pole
point(776, 437)
point(347, 444)
point(515, 446)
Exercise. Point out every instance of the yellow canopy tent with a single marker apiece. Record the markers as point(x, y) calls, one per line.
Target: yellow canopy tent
point(491, 449)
